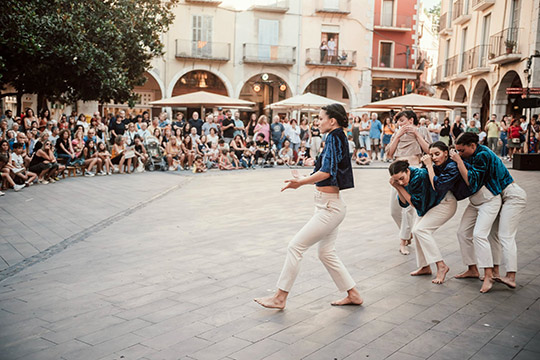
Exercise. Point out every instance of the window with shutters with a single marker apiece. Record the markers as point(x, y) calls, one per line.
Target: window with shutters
point(202, 35)
point(318, 87)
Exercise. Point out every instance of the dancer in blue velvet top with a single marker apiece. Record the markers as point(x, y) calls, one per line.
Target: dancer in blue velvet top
point(486, 169)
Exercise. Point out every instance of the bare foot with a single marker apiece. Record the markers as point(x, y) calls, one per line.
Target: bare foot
point(441, 274)
point(349, 300)
point(426, 270)
point(271, 302)
point(403, 250)
point(487, 285)
point(511, 283)
point(468, 274)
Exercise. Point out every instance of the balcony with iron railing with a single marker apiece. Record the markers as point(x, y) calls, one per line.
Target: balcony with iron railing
point(504, 46)
point(439, 78)
point(277, 6)
point(269, 54)
point(479, 5)
point(460, 12)
point(389, 22)
point(445, 27)
point(342, 58)
point(333, 6)
point(474, 61)
point(450, 66)
point(203, 50)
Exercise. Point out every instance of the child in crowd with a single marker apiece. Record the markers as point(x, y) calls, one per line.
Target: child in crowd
point(198, 166)
point(212, 158)
point(351, 145)
point(105, 157)
point(224, 162)
point(248, 156)
point(18, 166)
point(303, 157)
point(362, 158)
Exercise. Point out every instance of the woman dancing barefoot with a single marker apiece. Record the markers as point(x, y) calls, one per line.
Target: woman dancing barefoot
point(333, 172)
point(434, 209)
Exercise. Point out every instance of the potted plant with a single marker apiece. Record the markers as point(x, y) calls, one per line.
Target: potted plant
point(491, 56)
point(510, 44)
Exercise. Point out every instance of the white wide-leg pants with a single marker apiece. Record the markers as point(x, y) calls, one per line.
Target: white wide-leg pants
point(514, 200)
point(322, 228)
point(476, 244)
point(427, 251)
point(403, 217)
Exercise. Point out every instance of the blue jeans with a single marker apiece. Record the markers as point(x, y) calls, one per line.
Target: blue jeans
point(365, 141)
point(66, 156)
point(504, 148)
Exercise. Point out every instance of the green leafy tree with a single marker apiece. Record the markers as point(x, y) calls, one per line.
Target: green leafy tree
point(68, 50)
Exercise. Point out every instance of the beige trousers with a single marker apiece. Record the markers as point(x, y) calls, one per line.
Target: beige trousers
point(322, 228)
point(514, 200)
point(427, 251)
point(403, 217)
point(476, 241)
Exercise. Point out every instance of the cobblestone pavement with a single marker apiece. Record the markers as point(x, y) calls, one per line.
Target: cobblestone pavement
point(165, 266)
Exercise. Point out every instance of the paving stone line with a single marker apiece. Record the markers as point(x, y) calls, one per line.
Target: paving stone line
point(84, 234)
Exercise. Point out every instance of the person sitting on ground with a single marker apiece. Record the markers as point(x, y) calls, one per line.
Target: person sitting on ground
point(303, 157)
point(141, 155)
point(19, 170)
point(224, 162)
point(6, 167)
point(248, 155)
point(174, 157)
point(286, 155)
point(222, 145)
point(92, 159)
point(263, 149)
point(362, 158)
point(188, 151)
point(213, 156)
point(198, 166)
point(45, 165)
point(118, 156)
point(105, 157)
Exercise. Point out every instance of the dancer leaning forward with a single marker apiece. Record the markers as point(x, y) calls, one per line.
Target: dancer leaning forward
point(333, 173)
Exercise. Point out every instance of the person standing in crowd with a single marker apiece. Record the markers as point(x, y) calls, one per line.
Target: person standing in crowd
point(388, 130)
point(250, 127)
point(239, 128)
point(304, 132)
point(316, 141)
point(331, 51)
point(228, 127)
point(365, 127)
point(492, 130)
point(477, 122)
point(278, 132)
point(406, 144)
point(487, 170)
point(323, 50)
point(472, 127)
point(196, 122)
point(163, 120)
point(179, 122)
point(332, 173)
point(263, 128)
point(503, 131)
point(514, 138)
point(457, 128)
point(434, 129)
point(444, 134)
point(294, 135)
point(375, 136)
point(8, 116)
point(416, 188)
point(532, 135)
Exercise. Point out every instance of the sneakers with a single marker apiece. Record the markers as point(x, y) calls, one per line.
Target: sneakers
point(101, 173)
point(109, 173)
point(43, 182)
point(89, 174)
point(2, 193)
point(52, 181)
point(18, 187)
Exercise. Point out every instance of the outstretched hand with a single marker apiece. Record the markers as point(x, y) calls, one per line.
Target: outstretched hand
point(291, 184)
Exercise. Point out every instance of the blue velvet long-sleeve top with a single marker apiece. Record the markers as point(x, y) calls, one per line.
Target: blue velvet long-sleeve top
point(336, 161)
point(448, 178)
point(423, 196)
point(486, 169)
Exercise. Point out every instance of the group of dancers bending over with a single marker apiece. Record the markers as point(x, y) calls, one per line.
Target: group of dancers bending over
point(423, 199)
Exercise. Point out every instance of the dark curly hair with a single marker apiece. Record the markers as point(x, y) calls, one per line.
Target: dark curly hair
point(337, 111)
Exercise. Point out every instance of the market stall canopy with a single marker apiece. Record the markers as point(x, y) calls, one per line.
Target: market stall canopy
point(307, 100)
point(415, 101)
point(202, 98)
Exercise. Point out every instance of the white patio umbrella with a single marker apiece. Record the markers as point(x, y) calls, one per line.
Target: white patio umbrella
point(307, 100)
point(416, 101)
point(202, 99)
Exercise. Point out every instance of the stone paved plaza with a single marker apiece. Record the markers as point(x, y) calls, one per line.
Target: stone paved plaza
point(165, 266)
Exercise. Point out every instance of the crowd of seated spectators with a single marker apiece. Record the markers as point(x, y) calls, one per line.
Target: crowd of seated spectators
point(40, 149)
